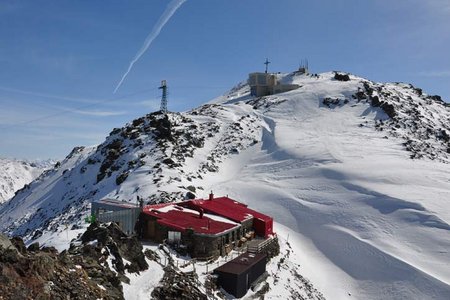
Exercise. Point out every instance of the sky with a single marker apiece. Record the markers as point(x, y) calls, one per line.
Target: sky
point(60, 61)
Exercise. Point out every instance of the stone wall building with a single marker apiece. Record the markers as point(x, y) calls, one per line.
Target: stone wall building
point(204, 228)
point(202, 235)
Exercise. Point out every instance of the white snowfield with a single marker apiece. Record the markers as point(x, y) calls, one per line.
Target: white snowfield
point(15, 174)
point(366, 221)
point(373, 222)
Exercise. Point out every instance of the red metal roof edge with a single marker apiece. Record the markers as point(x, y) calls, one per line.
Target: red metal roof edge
point(177, 219)
point(225, 203)
point(221, 206)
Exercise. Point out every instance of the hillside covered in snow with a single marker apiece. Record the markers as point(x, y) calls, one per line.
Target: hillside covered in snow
point(355, 173)
point(15, 174)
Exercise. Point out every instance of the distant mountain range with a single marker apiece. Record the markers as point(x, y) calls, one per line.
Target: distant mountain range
point(358, 171)
point(15, 174)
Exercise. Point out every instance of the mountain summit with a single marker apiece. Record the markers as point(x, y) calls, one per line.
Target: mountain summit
point(356, 170)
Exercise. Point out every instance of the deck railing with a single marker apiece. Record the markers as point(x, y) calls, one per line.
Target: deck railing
point(261, 246)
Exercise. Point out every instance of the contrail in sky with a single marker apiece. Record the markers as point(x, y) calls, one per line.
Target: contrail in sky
point(168, 13)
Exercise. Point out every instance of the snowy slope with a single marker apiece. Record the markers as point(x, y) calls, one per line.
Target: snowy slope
point(355, 172)
point(373, 217)
point(15, 174)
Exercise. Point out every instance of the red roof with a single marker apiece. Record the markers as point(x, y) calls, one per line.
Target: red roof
point(226, 207)
point(174, 216)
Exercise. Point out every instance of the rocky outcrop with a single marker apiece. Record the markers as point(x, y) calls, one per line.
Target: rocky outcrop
point(413, 117)
point(99, 240)
point(44, 274)
point(94, 267)
point(178, 285)
point(341, 77)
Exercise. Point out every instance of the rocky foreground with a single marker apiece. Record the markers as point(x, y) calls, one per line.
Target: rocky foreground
point(94, 267)
point(82, 272)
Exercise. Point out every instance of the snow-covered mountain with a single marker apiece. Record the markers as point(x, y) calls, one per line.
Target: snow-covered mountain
point(355, 173)
point(15, 174)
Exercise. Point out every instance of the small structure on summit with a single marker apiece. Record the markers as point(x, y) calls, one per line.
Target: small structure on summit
point(303, 67)
point(264, 84)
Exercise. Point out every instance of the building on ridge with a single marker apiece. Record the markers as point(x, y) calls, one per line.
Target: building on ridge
point(206, 228)
point(203, 228)
point(264, 84)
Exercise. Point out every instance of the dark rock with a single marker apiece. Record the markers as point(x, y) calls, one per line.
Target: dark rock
point(436, 98)
point(29, 277)
point(9, 255)
point(49, 249)
point(33, 247)
point(91, 161)
point(190, 195)
point(341, 77)
point(443, 135)
point(418, 91)
point(169, 162)
point(19, 244)
point(119, 245)
point(191, 188)
point(122, 177)
point(138, 122)
point(330, 102)
point(178, 285)
point(375, 101)
point(389, 110)
point(115, 131)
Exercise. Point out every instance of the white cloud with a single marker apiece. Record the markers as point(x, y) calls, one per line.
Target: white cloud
point(150, 104)
point(444, 73)
point(50, 96)
point(98, 113)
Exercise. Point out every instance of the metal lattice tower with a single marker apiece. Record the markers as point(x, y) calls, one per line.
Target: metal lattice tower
point(267, 64)
point(164, 96)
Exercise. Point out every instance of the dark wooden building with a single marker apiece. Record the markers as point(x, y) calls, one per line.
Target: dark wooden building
point(237, 275)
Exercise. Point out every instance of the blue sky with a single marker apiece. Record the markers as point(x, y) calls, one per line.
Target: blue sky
point(61, 60)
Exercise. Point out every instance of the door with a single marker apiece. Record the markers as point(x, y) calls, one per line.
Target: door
point(151, 229)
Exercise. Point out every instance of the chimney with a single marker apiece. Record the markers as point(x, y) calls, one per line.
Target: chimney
point(211, 196)
point(141, 202)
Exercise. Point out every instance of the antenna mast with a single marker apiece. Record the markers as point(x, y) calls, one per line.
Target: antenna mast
point(267, 64)
point(164, 97)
